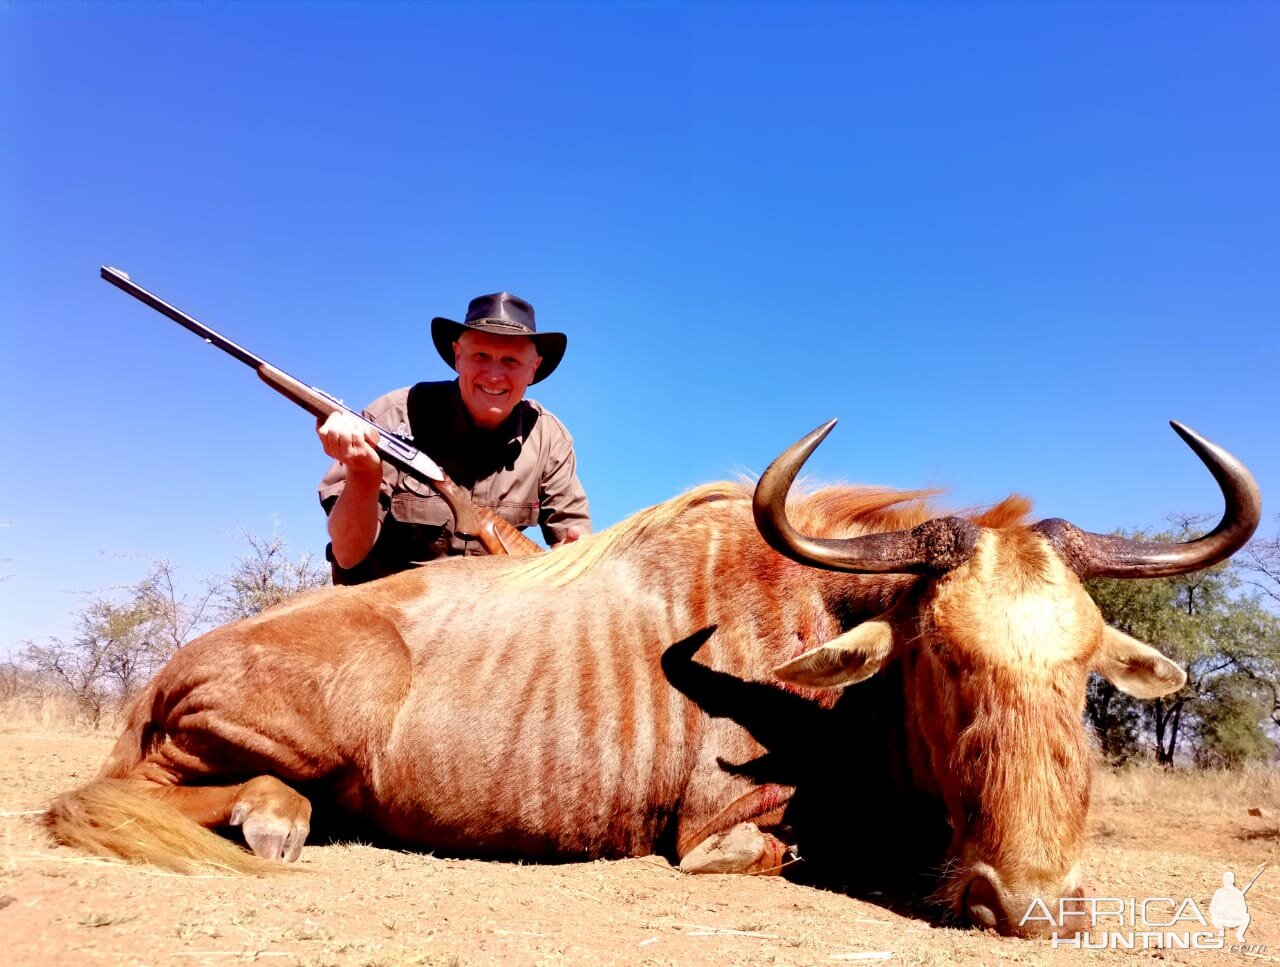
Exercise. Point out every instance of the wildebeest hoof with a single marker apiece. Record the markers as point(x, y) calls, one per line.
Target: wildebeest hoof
point(275, 819)
point(742, 849)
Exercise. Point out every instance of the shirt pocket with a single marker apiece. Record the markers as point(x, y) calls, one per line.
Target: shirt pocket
point(426, 511)
point(520, 513)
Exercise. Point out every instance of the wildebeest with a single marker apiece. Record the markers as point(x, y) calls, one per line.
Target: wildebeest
point(553, 707)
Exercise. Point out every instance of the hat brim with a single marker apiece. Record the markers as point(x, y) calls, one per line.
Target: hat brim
point(550, 345)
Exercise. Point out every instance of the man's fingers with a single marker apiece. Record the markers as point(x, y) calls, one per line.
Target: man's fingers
point(349, 440)
point(571, 534)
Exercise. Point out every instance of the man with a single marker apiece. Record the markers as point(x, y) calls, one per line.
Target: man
point(509, 454)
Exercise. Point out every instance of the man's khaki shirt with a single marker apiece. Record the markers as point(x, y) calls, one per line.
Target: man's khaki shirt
point(525, 471)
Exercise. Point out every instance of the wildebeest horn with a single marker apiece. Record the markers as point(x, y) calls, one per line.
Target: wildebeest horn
point(934, 547)
point(1106, 556)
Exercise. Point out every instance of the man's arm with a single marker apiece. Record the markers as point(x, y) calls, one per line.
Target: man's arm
point(354, 521)
point(564, 513)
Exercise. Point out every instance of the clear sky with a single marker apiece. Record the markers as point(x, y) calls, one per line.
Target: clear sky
point(1003, 243)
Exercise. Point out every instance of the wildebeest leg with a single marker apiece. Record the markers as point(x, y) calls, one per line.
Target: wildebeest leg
point(304, 697)
point(742, 849)
point(275, 818)
point(733, 841)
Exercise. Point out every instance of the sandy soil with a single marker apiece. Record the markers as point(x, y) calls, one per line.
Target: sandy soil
point(357, 904)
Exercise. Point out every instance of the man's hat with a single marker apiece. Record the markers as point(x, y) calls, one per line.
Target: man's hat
point(504, 315)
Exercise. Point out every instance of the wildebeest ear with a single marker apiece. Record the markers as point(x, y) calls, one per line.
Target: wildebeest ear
point(853, 656)
point(1135, 668)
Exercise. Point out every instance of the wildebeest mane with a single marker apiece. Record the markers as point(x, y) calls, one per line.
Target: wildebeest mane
point(836, 511)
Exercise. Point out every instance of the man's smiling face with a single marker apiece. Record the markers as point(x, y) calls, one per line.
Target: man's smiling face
point(493, 373)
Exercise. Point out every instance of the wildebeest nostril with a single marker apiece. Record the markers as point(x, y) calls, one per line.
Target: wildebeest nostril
point(983, 905)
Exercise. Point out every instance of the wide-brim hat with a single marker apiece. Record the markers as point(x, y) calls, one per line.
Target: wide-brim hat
point(502, 314)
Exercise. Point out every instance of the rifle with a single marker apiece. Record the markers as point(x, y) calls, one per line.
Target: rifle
point(470, 522)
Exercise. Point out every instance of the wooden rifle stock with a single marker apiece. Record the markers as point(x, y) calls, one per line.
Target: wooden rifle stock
point(496, 535)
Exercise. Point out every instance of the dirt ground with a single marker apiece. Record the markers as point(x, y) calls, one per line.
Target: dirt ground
point(1152, 835)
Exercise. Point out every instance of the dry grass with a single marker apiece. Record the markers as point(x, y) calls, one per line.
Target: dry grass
point(31, 708)
point(1192, 793)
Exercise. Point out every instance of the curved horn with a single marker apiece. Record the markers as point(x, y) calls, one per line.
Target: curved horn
point(1106, 556)
point(933, 547)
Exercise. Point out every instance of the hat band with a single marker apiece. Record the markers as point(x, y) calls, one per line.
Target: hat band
point(500, 324)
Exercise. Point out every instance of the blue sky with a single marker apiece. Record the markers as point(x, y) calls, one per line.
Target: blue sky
point(1003, 243)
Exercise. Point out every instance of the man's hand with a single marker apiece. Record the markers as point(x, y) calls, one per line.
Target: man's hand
point(570, 535)
point(353, 521)
point(350, 441)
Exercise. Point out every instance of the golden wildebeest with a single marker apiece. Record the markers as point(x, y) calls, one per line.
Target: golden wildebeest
point(551, 707)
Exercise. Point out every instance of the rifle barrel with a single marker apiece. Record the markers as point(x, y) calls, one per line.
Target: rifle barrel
point(1253, 881)
point(122, 281)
